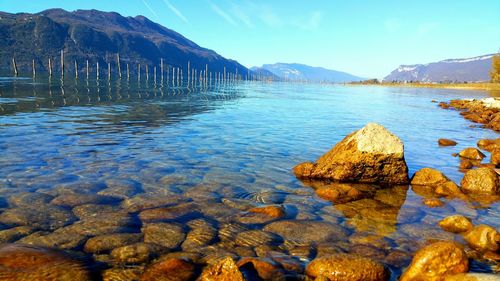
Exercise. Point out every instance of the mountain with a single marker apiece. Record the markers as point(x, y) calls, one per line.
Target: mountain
point(99, 36)
point(262, 72)
point(294, 71)
point(452, 70)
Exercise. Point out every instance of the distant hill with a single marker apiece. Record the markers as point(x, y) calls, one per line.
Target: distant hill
point(294, 71)
point(452, 70)
point(99, 36)
point(262, 72)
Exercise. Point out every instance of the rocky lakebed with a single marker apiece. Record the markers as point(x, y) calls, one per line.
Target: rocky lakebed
point(375, 221)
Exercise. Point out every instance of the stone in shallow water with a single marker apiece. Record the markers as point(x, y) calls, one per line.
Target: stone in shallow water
point(168, 235)
point(19, 262)
point(44, 217)
point(347, 267)
point(29, 199)
point(224, 270)
point(148, 201)
point(229, 231)
point(472, 277)
point(122, 189)
point(96, 210)
point(481, 181)
point(483, 238)
point(15, 233)
point(122, 274)
point(254, 238)
point(76, 187)
point(169, 270)
point(471, 153)
point(202, 233)
point(76, 199)
point(59, 240)
point(181, 211)
point(263, 268)
point(307, 232)
point(456, 224)
point(135, 253)
point(274, 211)
point(108, 242)
point(110, 223)
point(433, 262)
point(369, 155)
point(447, 142)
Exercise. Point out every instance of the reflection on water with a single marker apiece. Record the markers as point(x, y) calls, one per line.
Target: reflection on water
point(185, 169)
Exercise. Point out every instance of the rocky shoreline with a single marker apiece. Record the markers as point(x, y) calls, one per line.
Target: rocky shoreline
point(484, 111)
point(196, 234)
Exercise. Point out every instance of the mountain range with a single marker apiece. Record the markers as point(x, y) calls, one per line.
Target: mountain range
point(473, 69)
point(98, 36)
point(302, 72)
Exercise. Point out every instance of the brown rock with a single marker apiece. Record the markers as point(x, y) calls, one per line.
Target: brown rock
point(121, 274)
point(432, 202)
point(15, 233)
point(447, 142)
point(481, 181)
point(169, 213)
point(20, 262)
point(110, 241)
point(265, 268)
point(488, 144)
point(169, 270)
point(495, 156)
point(347, 267)
point(466, 164)
point(306, 231)
point(472, 153)
point(428, 177)
point(164, 234)
point(483, 238)
point(369, 155)
point(456, 224)
point(435, 261)
point(224, 270)
point(272, 211)
point(135, 253)
point(472, 277)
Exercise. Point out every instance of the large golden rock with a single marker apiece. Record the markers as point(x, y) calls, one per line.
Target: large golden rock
point(224, 270)
point(481, 181)
point(483, 238)
point(347, 267)
point(456, 224)
point(435, 261)
point(369, 155)
point(21, 262)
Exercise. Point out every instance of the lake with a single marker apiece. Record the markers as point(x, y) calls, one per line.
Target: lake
point(82, 159)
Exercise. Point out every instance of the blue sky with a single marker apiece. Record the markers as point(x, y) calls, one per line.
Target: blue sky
point(364, 37)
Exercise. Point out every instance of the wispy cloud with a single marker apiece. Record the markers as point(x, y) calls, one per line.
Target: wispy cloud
point(269, 17)
point(313, 21)
point(242, 16)
point(151, 9)
point(219, 11)
point(176, 11)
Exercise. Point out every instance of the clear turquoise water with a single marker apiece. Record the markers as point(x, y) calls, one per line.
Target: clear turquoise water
point(245, 137)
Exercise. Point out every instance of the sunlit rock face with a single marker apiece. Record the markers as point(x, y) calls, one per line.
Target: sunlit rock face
point(369, 155)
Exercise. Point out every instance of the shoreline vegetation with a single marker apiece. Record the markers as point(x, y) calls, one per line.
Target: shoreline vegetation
point(486, 86)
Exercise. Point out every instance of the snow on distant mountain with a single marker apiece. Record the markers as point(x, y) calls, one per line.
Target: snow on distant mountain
point(473, 69)
point(301, 72)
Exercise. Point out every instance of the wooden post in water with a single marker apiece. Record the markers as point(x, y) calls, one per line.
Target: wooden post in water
point(188, 70)
point(206, 73)
point(97, 70)
point(34, 69)
point(154, 74)
point(161, 69)
point(119, 66)
point(62, 63)
point(224, 77)
point(236, 73)
point(128, 72)
point(139, 72)
point(147, 72)
point(109, 71)
point(87, 69)
point(76, 69)
point(14, 65)
point(50, 67)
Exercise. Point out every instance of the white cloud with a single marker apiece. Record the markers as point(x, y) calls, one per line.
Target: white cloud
point(151, 9)
point(241, 15)
point(176, 11)
point(218, 10)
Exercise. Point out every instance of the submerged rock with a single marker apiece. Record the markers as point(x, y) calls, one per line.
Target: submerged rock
point(168, 235)
point(19, 262)
point(110, 241)
point(437, 181)
point(307, 232)
point(347, 267)
point(274, 211)
point(456, 224)
point(483, 238)
point(264, 268)
point(15, 233)
point(433, 262)
point(135, 253)
point(473, 277)
point(488, 144)
point(224, 270)
point(472, 153)
point(481, 181)
point(447, 142)
point(369, 155)
point(45, 217)
point(169, 270)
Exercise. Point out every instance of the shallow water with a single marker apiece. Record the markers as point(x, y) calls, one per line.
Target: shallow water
point(222, 149)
